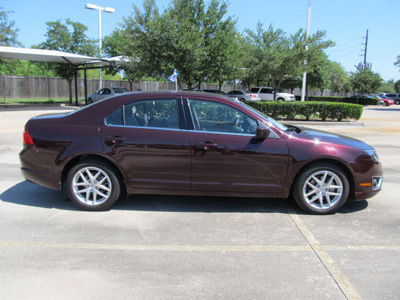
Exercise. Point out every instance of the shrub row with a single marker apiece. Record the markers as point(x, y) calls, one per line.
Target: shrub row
point(323, 110)
point(362, 101)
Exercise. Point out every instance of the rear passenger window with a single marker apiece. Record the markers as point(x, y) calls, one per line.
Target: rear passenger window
point(159, 113)
point(115, 118)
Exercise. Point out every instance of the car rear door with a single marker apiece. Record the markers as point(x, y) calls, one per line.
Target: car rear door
point(148, 139)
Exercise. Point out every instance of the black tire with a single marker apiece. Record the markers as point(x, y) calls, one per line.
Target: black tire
point(397, 102)
point(321, 189)
point(90, 101)
point(93, 185)
point(281, 99)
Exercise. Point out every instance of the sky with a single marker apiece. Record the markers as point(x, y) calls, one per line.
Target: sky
point(344, 21)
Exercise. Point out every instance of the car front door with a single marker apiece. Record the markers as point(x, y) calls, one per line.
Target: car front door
point(149, 142)
point(225, 155)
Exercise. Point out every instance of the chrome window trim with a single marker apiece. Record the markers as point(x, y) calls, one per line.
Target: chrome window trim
point(224, 133)
point(142, 127)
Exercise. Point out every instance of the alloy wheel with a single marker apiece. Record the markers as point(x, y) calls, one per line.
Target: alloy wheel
point(322, 190)
point(92, 186)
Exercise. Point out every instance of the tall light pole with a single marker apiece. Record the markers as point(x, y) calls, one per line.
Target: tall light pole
point(303, 87)
point(106, 9)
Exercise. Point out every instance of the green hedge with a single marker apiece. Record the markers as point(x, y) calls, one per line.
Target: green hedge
point(361, 101)
point(323, 110)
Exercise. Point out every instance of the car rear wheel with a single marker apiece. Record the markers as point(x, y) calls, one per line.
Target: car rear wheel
point(93, 185)
point(90, 101)
point(321, 189)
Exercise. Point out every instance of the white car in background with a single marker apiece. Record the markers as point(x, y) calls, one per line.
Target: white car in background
point(267, 93)
point(244, 95)
point(106, 93)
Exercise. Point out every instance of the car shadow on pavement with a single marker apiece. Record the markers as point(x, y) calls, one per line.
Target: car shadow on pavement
point(30, 194)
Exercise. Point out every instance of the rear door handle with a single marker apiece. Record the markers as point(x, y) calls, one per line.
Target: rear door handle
point(112, 140)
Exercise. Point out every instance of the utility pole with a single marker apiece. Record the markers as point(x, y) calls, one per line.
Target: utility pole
point(304, 84)
point(365, 51)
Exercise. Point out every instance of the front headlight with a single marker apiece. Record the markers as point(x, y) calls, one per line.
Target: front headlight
point(373, 155)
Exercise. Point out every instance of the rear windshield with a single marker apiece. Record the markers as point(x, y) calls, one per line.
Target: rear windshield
point(120, 90)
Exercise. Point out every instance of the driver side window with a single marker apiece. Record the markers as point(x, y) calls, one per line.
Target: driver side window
point(218, 117)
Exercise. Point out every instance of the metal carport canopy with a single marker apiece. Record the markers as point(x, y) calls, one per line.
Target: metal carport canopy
point(43, 55)
point(55, 56)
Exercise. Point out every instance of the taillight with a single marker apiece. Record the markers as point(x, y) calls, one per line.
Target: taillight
point(27, 140)
point(253, 96)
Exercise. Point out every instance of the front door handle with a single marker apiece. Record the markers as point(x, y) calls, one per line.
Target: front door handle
point(205, 146)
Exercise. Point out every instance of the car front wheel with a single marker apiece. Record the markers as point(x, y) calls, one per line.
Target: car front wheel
point(93, 185)
point(321, 189)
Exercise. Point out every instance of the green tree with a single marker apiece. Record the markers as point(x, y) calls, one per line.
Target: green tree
point(8, 38)
point(338, 78)
point(319, 77)
point(397, 86)
point(397, 63)
point(196, 39)
point(8, 31)
point(69, 37)
point(364, 81)
point(222, 60)
point(387, 87)
point(281, 56)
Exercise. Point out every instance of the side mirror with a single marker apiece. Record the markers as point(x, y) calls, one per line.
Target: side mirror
point(262, 133)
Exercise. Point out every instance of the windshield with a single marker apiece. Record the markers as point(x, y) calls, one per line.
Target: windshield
point(265, 117)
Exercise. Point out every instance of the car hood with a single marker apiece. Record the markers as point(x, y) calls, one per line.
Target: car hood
point(323, 136)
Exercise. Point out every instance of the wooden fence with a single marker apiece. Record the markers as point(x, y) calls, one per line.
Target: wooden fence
point(19, 87)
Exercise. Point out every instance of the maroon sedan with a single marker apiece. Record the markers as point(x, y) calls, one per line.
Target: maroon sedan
point(187, 143)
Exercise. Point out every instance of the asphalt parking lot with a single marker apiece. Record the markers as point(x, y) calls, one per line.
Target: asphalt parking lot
point(164, 247)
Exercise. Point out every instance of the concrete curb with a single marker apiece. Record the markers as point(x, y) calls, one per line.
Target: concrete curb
point(324, 123)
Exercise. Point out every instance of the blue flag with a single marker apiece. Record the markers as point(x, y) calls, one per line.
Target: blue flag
point(174, 76)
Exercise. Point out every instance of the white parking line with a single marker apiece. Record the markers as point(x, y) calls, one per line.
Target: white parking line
point(254, 248)
point(343, 283)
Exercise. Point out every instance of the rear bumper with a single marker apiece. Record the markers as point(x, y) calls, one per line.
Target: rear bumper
point(43, 178)
point(35, 167)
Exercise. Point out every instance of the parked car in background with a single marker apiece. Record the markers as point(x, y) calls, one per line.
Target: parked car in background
point(267, 94)
point(243, 95)
point(394, 96)
point(106, 92)
point(384, 101)
point(185, 143)
point(214, 91)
